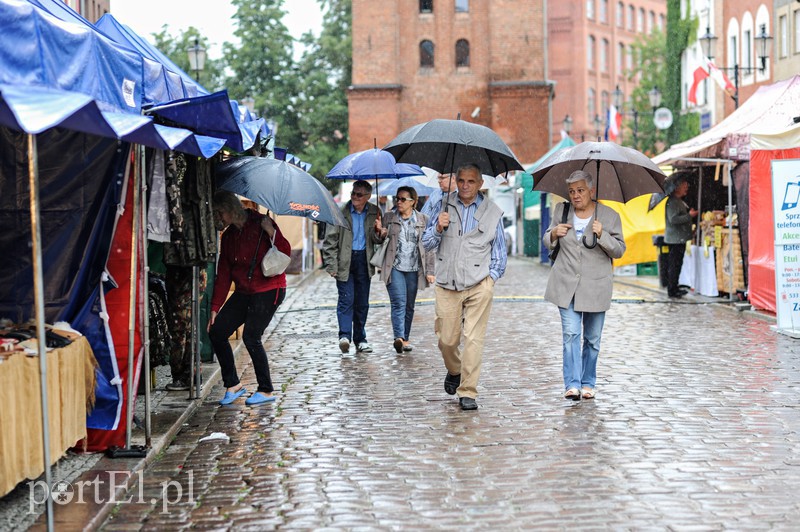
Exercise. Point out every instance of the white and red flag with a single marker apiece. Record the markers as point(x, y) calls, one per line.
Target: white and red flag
point(708, 69)
point(613, 123)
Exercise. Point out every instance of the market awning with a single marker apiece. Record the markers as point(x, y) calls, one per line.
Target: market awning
point(35, 109)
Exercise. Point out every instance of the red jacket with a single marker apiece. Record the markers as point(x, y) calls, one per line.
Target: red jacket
point(236, 255)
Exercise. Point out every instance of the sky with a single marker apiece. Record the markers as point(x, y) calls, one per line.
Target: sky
point(213, 19)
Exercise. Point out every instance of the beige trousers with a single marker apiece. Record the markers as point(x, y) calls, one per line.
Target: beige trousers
point(472, 306)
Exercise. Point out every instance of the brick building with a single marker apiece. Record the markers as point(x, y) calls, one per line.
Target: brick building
point(591, 54)
point(91, 10)
point(416, 60)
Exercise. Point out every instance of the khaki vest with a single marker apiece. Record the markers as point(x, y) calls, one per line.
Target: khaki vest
point(462, 261)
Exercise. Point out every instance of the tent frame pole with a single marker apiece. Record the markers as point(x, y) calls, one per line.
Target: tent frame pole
point(38, 291)
point(145, 306)
point(132, 306)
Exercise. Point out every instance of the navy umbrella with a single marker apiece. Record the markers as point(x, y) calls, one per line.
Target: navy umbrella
point(445, 145)
point(280, 187)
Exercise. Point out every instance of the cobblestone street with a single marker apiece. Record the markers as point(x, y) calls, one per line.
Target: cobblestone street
point(695, 426)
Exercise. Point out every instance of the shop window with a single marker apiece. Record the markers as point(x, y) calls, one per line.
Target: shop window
point(462, 53)
point(426, 6)
point(462, 6)
point(426, 54)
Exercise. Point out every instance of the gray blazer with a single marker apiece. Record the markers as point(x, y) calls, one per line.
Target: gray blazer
point(427, 263)
point(337, 249)
point(583, 273)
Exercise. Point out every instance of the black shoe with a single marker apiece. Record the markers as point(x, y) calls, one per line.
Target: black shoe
point(675, 295)
point(467, 403)
point(176, 386)
point(682, 291)
point(451, 383)
point(398, 345)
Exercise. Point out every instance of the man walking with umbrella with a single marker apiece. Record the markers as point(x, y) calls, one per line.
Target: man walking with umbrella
point(466, 229)
point(346, 254)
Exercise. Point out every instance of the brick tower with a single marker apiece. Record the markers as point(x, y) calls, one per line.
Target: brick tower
point(416, 60)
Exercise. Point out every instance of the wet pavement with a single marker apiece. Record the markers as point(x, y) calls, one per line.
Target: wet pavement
point(695, 426)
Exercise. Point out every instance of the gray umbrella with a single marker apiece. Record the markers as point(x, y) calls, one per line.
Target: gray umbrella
point(620, 173)
point(280, 187)
point(444, 145)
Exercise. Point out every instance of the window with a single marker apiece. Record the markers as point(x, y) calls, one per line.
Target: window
point(640, 20)
point(661, 22)
point(629, 20)
point(604, 56)
point(747, 51)
point(797, 31)
point(620, 59)
point(783, 45)
point(620, 14)
point(590, 53)
point(462, 6)
point(426, 54)
point(590, 9)
point(604, 11)
point(651, 21)
point(604, 103)
point(426, 6)
point(629, 58)
point(462, 53)
point(591, 106)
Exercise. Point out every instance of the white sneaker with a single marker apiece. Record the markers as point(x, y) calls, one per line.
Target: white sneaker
point(344, 344)
point(364, 347)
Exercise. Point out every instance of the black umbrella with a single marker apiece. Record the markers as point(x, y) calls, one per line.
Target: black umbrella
point(280, 187)
point(444, 145)
point(670, 183)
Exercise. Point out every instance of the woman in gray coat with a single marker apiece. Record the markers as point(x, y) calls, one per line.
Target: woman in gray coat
point(582, 279)
point(406, 264)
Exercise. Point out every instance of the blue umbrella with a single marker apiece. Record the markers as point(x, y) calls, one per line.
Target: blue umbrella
point(280, 187)
point(372, 164)
point(389, 188)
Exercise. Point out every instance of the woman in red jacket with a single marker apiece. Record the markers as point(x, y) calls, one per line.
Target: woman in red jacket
point(247, 237)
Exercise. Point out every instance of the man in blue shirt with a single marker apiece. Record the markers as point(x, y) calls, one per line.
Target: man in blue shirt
point(467, 232)
point(446, 185)
point(346, 253)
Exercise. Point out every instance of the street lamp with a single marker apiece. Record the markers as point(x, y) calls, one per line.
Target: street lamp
point(618, 103)
point(655, 98)
point(197, 58)
point(567, 124)
point(597, 124)
point(762, 39)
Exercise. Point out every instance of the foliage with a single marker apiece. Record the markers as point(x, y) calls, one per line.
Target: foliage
point(680, 34)
point(175, 48)
point(263, 68)
point(651, 72)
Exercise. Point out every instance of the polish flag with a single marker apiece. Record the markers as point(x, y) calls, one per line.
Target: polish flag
point(705, 70)
point(613, 123)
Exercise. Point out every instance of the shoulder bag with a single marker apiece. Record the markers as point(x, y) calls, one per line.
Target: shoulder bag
point(564, 216)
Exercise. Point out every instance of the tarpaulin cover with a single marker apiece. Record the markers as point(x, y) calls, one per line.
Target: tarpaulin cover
point(768, 111)
point(37, 48)
point(639, 225)
point(177, 83)
point(766, 147)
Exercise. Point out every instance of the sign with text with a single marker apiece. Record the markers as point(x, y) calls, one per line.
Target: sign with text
point(786, 216)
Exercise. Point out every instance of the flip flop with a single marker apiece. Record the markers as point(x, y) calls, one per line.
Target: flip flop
point(232, 396)
point(259, 398)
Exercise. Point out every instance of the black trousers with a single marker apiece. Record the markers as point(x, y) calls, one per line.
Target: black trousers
point(674, 265)
point(255, 311)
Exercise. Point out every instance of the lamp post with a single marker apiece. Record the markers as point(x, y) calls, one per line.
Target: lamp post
point(567, 124)
point(597, 123)
point(707, 43)
point(655, 98)
point(197, 58)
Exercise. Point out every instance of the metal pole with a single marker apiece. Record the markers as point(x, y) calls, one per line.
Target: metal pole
point(699, 204)
point(636, 129)
point(38, 300)
point(146, 307)
point(132, 306)
point(194, 386)
point(736, 86)
point(730, 229)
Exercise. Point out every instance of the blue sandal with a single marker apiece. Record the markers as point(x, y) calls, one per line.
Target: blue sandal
point(232, 396)
point(259, 398)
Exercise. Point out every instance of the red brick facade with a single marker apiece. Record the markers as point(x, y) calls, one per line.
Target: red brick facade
point(504, 84)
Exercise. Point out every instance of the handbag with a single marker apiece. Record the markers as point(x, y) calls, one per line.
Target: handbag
point(275, 261)
point(564, 216)
point(380, 254)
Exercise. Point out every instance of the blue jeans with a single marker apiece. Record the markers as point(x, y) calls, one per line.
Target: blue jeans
point(402, 294)
point(580, 364)
point(353, 305)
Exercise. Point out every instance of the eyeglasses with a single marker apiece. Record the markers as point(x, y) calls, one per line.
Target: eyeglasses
point(404, 199)
point(358, 194)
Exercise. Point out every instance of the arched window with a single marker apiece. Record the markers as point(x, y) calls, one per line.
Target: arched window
point(591, 105)
point(620, 14)
point(604, 56)
point(590, 53)
point(462, 53)
point(590, 9)
point(426, 54)
point(462, 6)
point(426, 6)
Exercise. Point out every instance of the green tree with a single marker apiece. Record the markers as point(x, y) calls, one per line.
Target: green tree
point(263, 68)
point(649, 56)
point(680, 32)
point(176, 48)
point(324, 75)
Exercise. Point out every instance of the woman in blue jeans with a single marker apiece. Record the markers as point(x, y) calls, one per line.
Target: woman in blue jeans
point(582, 279)
point(406, 264)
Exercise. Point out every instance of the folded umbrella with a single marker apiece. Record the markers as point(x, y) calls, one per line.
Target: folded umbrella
point(280, 187)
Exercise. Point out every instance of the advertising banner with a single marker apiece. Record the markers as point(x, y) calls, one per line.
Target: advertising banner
point(786, 216)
